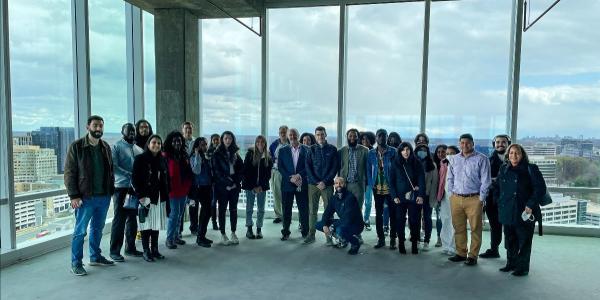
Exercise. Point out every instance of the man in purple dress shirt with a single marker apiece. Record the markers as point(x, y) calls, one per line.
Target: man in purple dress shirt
point(468, 182)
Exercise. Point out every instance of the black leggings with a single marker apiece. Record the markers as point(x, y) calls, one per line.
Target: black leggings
point(203, 198)
point(226, 198)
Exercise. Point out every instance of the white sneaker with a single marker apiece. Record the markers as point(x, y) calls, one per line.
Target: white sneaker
point(225, 240)
point(234, 239)
point(425, 246)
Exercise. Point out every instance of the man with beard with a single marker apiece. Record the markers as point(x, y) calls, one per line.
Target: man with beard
point(349, 225)
point(497, 158)
point(143, 131)
point(90, 182)
point(353, 166)
point(124, 152)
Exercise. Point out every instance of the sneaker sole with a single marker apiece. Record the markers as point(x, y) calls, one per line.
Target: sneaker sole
point(95, 264)
point(82, 274)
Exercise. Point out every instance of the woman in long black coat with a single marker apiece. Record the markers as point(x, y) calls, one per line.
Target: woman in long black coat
point(521, 187)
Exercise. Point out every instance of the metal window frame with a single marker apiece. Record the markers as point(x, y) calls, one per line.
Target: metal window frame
point(81, 65)
point(135, 62)
point(7, 206)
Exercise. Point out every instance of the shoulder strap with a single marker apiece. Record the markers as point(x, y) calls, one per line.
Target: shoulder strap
point(409, 181)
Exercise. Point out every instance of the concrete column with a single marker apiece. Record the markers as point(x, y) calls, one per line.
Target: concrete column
point(177, 69)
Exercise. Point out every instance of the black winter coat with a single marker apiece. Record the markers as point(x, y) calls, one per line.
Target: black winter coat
point(517, 189)
point(150, 177)
point(495, 164)
point(220, 165)
point(399, 183)
point(258, 175)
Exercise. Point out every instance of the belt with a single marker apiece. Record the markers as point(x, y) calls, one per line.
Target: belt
point(467, 195)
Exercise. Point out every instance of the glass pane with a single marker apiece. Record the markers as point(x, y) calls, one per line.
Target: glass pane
point(303, 69)
point(231, 74)
point(108, 65)
point(385, 50)
point(41, 65)
point(468, 67)
point(559, 101)
point(149, 69)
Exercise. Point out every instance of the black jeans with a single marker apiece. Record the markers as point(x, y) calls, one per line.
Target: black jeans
point(124, 222)
point(203, 198)
point(414, 220)
point(150, 240)
point(213, 205)
point(379, 200)
point(517, 241)
point(287, 201)
point(348, 233)
point(491, 210)
point(227, 198)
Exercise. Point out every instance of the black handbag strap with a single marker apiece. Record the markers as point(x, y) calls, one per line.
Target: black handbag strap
point(409, 181)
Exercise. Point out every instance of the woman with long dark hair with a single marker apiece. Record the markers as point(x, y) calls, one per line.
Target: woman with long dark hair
point(180, 178)
point(228, 169)
point(150, 181)
point(431, 186)
point(407, 189)
point(201, 191)
point(257, 172)
point(308, 139)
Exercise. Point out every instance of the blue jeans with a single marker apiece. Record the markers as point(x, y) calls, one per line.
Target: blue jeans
point(368, 204)
point(177, 206)
point(438, 220)
point(93, 213)
point(260, 203)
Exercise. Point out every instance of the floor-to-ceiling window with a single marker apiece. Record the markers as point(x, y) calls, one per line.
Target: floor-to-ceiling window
point(385, 50)
point(303, 69)
point(41, 66)
point(468, 65)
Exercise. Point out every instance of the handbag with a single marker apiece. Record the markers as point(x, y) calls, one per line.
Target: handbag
point(142, 213)
point(410, 195)
point(131, 200)
point(546, 199)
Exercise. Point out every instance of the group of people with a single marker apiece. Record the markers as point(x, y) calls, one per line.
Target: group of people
point(151, 183)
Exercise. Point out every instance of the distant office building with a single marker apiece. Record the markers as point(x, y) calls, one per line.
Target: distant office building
point(577, 148)
point(33, 164)
point(563, 210)
point(547, 167)
point(28, 214)
point(22, 140)
point(57, 138)
point(541, 149)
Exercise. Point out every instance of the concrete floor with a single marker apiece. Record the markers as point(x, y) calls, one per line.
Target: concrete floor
point(561, 268)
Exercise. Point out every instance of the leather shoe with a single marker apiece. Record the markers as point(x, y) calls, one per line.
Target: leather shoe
point(380, 244)
point(470, 261)
point(490, 254)
point(507, 268)
point(457, 258)
point(519, 273)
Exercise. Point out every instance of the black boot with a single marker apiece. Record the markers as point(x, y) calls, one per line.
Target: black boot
point(202, 242)
point(401, 247)
point(415, 248)
point(250, 234)
point(258, 233)
point(393, 244)
point(148, 256)
point(380, 244)
point(154, 248)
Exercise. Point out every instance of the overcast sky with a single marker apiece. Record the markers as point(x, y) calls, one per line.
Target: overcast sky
point(468, 65)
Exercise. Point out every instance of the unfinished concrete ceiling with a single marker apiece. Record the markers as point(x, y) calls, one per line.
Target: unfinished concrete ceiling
point(204, 9)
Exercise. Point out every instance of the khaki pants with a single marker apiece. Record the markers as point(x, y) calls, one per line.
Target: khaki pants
point(463, 209)
point(276, 190)
point(314, 194)
point(358, 190)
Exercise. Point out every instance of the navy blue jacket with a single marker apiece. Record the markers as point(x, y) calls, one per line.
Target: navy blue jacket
point(322, 164)
point(346, 208)
point(286, 167)
point(399, 183)
point(495, 164)
point(517, 189)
